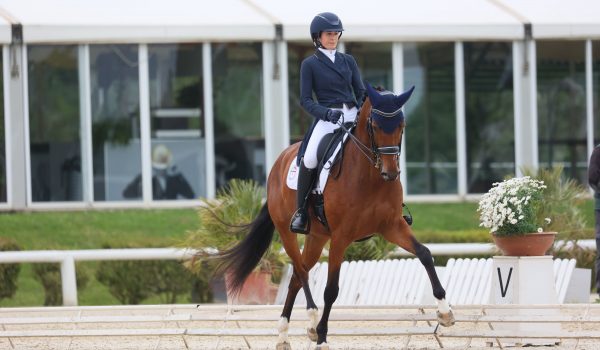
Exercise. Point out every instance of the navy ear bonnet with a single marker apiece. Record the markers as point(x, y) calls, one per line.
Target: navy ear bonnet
point(386, 108)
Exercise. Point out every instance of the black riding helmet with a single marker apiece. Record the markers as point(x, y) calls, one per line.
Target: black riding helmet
point(324, 22)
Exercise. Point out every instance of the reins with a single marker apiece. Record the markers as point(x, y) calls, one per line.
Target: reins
point(361, 146)
point(376, 152)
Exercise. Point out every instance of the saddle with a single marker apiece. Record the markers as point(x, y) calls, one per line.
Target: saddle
point(330, 153)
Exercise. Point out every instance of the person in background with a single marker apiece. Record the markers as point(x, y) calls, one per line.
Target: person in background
point(594, 182)
point(167, 181)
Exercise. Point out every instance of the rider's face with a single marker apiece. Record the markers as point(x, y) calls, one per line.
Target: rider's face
point(329, 40)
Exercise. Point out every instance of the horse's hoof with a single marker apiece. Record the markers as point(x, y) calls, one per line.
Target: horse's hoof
point(283, 346)
point(312, 334)
point(446, 320)
point(323, 346)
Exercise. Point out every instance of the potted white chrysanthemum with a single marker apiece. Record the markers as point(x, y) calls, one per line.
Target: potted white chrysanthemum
point(511, 210)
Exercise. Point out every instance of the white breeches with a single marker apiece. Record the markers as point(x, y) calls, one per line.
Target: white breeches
point(321, 129)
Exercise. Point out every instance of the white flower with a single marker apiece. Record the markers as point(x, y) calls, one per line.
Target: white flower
point(507, 206)
point(540, 230)
point(547, 221)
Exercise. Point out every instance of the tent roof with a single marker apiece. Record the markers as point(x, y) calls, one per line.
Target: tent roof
point(397, 20)
point(5, 27)
point(559, 18)
point(146, 21)
point(138, 20)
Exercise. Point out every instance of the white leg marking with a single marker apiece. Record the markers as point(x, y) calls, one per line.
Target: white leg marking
point(323, 346)
point(313, 318)
point(283, 328)
point(443, 306)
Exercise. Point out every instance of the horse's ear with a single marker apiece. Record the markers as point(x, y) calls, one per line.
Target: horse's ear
point(374, 96)
point(403, 97)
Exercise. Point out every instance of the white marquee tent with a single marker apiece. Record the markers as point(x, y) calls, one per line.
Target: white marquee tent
point(69, 21)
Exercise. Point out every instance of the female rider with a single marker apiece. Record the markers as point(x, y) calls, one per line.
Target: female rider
point(335, 80)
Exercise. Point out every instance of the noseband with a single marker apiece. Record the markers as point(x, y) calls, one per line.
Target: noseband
point(376, 151)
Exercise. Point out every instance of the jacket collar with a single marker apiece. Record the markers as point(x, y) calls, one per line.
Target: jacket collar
point(336, 67)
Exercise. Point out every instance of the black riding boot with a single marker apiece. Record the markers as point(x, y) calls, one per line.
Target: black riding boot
point(300, 221)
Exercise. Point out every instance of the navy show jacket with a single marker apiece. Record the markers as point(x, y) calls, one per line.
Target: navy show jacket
point(332, 84)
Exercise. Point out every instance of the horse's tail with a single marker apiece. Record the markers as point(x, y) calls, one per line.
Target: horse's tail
point(240, 260)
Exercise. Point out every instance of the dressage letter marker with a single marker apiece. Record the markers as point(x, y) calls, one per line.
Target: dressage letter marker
point(503, 288)
point(526, 280)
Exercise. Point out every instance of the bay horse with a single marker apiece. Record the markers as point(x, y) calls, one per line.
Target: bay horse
point(364, 200)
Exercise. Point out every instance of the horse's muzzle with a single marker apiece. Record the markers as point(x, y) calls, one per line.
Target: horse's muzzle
point(390, 176)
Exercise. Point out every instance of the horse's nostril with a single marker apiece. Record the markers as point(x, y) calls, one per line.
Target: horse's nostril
point(387, 177)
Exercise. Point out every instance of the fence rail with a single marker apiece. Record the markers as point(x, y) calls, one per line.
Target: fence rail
point(68, 258)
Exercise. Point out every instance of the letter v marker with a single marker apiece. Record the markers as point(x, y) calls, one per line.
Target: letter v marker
point(504, 289)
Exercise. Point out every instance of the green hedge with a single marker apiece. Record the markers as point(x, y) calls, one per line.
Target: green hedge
point(132, 282)
point(49, 276)
point(9, 273)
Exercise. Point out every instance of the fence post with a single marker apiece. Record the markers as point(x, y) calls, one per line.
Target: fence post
point(69, 281)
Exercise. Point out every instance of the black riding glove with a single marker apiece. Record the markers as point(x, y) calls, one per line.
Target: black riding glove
point(333, 115)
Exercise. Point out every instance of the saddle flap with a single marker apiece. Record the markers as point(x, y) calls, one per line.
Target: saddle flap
point(329, 148)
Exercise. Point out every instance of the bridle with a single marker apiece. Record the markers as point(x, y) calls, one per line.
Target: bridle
point(374, 157)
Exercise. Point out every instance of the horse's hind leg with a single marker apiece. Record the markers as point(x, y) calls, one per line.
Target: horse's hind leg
point(405, 239)
point(302, 264)
point(284, 322)
point(313, 246)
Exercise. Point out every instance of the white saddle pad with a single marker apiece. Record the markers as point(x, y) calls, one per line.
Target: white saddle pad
point(292, 175)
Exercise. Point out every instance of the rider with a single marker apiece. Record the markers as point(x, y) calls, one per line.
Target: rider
point(336, 82)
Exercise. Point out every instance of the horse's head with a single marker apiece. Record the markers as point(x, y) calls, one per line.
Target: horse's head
point(385, 125)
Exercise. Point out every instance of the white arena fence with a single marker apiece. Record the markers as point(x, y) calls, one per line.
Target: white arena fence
point(404, 282)
point(68, 258)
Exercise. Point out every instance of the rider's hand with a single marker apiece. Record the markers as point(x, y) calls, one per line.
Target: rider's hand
point(333, 115)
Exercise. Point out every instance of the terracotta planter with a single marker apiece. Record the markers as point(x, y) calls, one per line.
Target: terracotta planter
point(257, 289)
point(530, 244)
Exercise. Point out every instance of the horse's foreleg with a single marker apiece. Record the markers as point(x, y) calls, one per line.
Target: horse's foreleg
point(444, 313)
point(405, 239)
point(336, 255)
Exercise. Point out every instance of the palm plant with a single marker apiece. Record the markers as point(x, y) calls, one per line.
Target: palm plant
point(223, 222)
point(375, 248)
point(561, 200)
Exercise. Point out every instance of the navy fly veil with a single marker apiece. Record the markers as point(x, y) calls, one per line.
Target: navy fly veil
point(386, 108)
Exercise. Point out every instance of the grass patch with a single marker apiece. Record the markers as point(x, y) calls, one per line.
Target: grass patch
point(93, 229)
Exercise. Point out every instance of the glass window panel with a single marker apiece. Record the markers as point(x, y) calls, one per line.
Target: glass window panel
point(115, 121)
point(431, 118)
point(177, 121)
point(374, 62)
point(237, 94)
point(489, 114)
point(300, 121)
point(596, 92)
point(561, 107)
point(54, 125)
point(3, 169)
